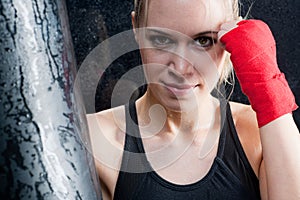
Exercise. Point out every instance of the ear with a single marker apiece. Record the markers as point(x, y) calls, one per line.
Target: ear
point(134, 25)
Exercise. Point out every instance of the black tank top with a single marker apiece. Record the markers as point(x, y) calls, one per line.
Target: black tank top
point(230, 176)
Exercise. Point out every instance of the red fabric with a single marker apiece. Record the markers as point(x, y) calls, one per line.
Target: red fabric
point(253, 54)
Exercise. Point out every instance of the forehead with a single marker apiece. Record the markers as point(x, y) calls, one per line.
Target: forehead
point(186, 16)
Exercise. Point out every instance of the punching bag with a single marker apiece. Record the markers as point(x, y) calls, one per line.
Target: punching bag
point(44, 148)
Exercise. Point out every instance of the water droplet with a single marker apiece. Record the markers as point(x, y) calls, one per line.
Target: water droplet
point(43, 175)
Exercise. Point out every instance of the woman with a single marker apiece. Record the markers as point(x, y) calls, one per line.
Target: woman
point(190, 144)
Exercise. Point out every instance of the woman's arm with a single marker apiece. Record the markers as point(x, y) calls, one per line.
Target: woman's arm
point(281, 152)
point(253, 54)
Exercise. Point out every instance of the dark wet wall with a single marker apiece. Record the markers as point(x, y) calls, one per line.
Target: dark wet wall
point(92, 21)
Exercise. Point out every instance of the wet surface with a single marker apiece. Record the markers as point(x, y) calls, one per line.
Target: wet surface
point(42, 154)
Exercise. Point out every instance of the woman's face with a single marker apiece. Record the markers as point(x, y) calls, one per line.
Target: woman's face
point(180, 50)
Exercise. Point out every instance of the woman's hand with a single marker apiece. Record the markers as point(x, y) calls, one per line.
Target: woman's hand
point(253, 54)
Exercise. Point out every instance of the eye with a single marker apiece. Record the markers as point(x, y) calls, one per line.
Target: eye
point(160, 41)
point(205, 42)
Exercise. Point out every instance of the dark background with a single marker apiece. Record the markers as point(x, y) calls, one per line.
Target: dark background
point(92, 21)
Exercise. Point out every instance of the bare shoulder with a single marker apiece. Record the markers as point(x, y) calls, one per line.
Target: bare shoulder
point(247, 129)
point(244, 116)
point(107, 134)
point(110, 123)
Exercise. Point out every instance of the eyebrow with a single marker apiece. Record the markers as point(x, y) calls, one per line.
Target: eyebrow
point(195, 36)
point(158, 31)
point(205, 33)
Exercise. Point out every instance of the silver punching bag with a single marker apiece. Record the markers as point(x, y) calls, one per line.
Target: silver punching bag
point(44, 146)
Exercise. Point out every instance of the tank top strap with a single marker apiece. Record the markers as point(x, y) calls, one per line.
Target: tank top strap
point(223, 127)
point(133, 150)
point(134, 164)
point(132, 129)
point(233, 155)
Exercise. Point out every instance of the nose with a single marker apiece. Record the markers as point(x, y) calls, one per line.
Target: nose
point(180, 64)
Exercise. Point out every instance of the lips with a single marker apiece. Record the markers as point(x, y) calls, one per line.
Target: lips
point(179, 89)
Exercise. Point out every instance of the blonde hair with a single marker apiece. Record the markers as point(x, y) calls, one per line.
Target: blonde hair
point(141, 12)
point(141, 15)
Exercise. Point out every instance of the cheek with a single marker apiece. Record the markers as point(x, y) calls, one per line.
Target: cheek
point(219, 57)
point(211, 58)
point(150, 72)
point(154, 63)
point(210, 66)
point(153, 56)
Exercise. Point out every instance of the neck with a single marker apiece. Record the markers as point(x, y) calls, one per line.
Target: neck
point(159, 118)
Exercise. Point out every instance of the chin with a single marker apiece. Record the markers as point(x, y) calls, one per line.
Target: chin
point(179, 105)
point(179, 102)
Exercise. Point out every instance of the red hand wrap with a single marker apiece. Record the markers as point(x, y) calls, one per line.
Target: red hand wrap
point(253, 55)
